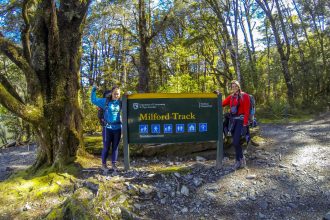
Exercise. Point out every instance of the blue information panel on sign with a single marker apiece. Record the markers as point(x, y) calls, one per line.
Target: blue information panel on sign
point(168, 128)
point(179, 128)
point(155, 128)
point(202, 127)
point(143, 129)
point(192, 127)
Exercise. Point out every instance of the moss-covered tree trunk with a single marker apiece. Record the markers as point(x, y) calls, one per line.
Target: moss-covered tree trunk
point(50, 59)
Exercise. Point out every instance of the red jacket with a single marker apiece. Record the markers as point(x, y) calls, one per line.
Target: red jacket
point(244, 105)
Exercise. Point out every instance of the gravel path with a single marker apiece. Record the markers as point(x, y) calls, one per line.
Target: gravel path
point(16, 158)
point(288, 177)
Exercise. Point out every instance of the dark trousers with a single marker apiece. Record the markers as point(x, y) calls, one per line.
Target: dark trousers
point(236, 134)
point(110, 137)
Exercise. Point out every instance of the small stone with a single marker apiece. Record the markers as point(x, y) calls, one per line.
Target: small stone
point(160, 195)
point(263, 204)
point(225, 159)
point(185, 190)
point(327, 216)
point(292, 205)
point(327, 193)
point(282, 166)
point(261, 215)
point(151, 175)
point(184, 210)
point(188, 176)
point(294, 164)
point(116, 210)
point(251, 176)
point(234, 194)
point(197, 182)
point(137, 206)
point(163, 201)
point(26, 207)
point(146, 190)
point(200, 159)
point(122, 198)
point(177, 174)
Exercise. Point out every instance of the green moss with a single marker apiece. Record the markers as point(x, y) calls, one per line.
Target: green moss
point(93, 144)
point(171, 169)
point(87, 160)
point(258, 139)
point(292, 116)
point(55, 214)
point(40, 188)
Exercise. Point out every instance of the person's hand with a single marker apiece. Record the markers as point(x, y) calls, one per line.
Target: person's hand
point(94, 88)
point(128, 93)
point(244, 130)
point(216, 92)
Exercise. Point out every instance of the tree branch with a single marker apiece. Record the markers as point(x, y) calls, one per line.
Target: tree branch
point(25, 33)
point(15, 54)
point(4, 81)
point(161, 26)
point(129, 31)
point(28, 113)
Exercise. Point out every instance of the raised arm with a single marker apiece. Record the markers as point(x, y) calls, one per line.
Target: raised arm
point(226, 101)
point(100, 102)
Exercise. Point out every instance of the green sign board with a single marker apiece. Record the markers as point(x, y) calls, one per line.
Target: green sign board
point(170, 118)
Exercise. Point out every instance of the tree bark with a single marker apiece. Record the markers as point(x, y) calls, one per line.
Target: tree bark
point(52, 77)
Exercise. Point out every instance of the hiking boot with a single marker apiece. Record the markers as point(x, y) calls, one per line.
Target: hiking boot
point(114, 167)
point(236, 165)
point(104, 167)
point(243, 162)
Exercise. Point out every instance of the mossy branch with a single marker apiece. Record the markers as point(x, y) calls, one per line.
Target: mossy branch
point(4, 81)
point(15, 54)
point(25, 33)
point(28, 113)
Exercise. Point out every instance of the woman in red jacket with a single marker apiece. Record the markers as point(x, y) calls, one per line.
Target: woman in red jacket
point(239, 103)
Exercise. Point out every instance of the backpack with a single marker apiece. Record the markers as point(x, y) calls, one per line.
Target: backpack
point(100, 112)
point(252, 119)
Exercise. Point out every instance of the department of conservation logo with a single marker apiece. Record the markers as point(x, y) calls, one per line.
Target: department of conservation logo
point(135, 106)
point(205, 105)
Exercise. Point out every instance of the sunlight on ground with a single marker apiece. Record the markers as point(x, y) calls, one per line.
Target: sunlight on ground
point(306, 155)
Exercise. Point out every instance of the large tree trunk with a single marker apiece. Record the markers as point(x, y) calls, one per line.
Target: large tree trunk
point(143, 85)
point(146, 34)
point(52, 61)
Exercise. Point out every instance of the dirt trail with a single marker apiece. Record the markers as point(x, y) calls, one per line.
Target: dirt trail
point(288, 177)
point(16, 158)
